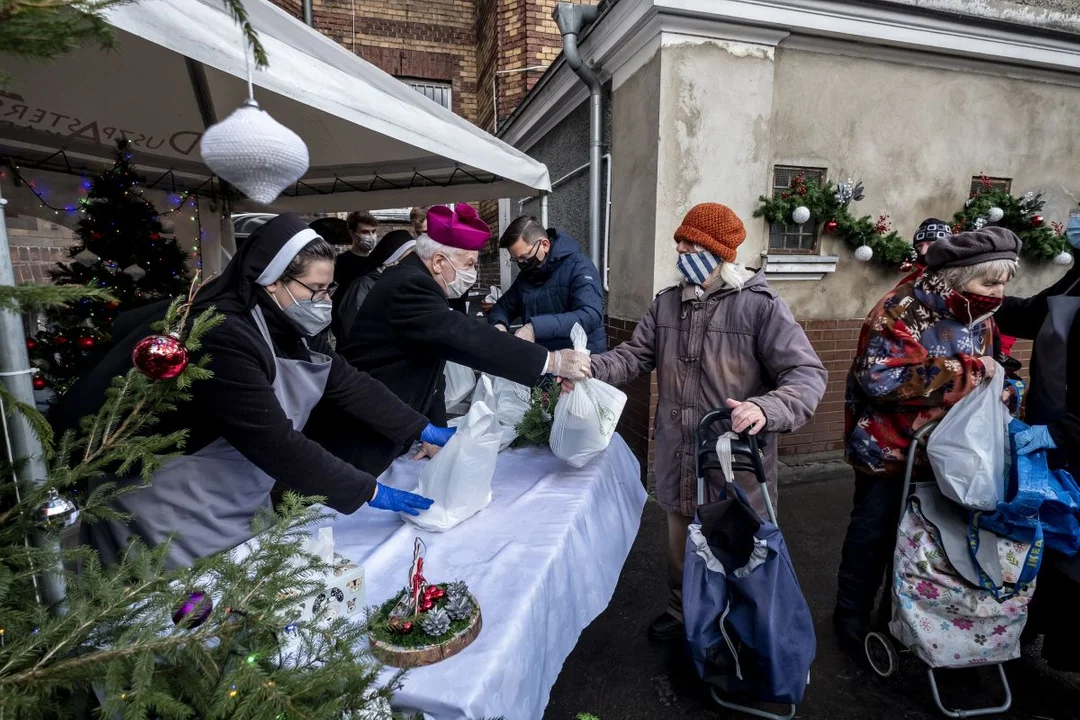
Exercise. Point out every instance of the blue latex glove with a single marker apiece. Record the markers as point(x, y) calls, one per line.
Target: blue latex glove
point(1072, 231)
point(388, 498)
point(435, 435)
point(1035, 438)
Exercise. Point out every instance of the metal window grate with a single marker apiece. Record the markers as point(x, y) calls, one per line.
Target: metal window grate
point(794, 238)
point(439, 92)
point(1002, 184)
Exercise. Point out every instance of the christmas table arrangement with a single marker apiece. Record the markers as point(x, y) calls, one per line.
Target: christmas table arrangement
point(424, 623)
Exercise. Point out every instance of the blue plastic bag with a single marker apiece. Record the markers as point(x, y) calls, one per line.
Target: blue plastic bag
point(1036, 497)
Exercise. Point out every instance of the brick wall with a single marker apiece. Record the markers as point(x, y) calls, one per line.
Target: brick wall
point(36, 245)
point(432, 40)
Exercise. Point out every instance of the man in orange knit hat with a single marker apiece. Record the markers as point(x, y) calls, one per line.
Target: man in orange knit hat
point(722, 338)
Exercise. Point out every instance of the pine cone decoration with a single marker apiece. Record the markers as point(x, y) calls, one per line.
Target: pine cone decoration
point(455, 589)
point(436, 622)
point(459, 607)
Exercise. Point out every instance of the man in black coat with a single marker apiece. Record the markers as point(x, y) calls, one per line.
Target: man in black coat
point(406, 330)
point(1053, 411)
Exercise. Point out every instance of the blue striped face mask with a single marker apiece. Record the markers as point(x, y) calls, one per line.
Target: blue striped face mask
point(696, 267)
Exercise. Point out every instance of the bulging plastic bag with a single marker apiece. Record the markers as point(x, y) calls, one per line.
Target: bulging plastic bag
point(510, 401)
point(460, 381)
point(458, 479)
point(967, 448)
point(585, 418)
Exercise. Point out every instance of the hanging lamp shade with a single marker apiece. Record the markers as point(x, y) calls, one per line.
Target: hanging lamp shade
point(254, 152)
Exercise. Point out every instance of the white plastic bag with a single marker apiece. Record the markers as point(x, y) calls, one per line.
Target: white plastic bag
point(585, 418)
point(458, 479)
point(967, 448)
point(509, 400)
point(460, 381)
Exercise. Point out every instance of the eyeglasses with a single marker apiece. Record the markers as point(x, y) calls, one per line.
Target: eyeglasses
point(317, 295)
point(524, 259)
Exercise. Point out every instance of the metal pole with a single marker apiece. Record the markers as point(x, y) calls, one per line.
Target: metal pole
point(544, 210)
point(308, 19)
point(15, 374)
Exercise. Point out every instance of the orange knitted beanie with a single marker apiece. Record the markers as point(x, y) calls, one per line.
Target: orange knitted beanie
point(714, 227)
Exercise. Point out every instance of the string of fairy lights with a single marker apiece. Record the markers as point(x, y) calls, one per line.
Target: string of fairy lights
point(179, 201)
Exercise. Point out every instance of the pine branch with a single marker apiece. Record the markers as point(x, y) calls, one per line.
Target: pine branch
point(30, 298)
point(239, 12)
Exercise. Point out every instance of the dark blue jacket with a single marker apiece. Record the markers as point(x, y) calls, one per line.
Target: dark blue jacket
point(570, 292)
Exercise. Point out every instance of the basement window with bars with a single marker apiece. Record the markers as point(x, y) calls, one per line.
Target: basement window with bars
point(439, 92)
point(1002, 184)
point(795, 239)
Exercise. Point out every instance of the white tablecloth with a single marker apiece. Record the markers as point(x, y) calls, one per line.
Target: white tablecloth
point(543, 560)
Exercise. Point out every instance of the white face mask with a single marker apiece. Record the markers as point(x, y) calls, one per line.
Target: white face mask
point(365, 242)
point(309, 316)
point(463, 280)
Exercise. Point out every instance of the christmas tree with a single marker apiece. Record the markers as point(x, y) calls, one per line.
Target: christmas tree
point(122, 250)
point(135, 640)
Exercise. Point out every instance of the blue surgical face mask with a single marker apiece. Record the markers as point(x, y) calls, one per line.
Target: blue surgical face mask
point(696, 267)
point(1072, 231)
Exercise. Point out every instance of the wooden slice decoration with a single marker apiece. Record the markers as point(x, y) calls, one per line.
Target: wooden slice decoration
point(413, 657)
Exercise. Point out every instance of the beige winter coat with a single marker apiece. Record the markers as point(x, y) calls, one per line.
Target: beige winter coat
point(743, 345)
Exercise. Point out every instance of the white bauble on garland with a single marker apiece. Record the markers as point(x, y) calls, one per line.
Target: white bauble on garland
point(863, 253)
point(1063, 258)
point(801, 214)
point(995, 214)
point(255, 153)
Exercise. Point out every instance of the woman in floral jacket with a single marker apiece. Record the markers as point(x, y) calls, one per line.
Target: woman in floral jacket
point(925, 346)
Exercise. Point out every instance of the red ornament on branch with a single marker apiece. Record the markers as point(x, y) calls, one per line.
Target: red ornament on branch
point(1037, 221)
point(155, 236)
point(31, 343)
point(39, 383)
point(830, 227)
point(60, 340)
point(95, 235)
point(112, 305)
point(160, 357)
point(86, 342)
point(906, 266)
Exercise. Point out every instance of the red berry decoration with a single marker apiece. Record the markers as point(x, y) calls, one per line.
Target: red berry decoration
point(406, 628)
point(39, 383)
point(426, 604)
point(86, 342)
point(1037, 221)
point(830, 227)
point(160, 357)
point(112, 305)
point(60, 340)
point(439, 594)
point(31, 343)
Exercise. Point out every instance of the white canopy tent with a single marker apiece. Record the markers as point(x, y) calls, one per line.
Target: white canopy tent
point(374, 142)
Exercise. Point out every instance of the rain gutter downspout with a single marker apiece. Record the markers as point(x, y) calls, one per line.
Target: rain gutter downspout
point(309, 20)
point(572, 19)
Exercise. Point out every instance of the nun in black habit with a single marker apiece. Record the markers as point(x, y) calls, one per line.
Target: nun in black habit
point(245, 424)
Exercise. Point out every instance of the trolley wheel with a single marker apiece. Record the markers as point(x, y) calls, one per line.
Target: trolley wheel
point(881, 654)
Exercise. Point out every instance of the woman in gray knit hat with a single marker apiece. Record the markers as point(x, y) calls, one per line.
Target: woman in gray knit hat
point(923, 348)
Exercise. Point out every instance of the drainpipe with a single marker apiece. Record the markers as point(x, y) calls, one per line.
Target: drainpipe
point(572, 19)
point(308, 19)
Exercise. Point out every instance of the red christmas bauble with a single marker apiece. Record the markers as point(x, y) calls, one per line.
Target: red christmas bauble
point(39, 383)
point(31, 343)
point(86, 342)
point(160, 357)
point(60, 340)
point(906, 266)
point(426, 604)
point(154, 236)
point(406, 628)
point(95, 235)
point(830, 227)
point(439, 594)
point(1037, 220)
point(112, 305)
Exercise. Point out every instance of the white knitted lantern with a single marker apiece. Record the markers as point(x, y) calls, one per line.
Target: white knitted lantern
point(863, 253)
point(1063, 258)
point(800, 214)
point(255, 153)
point(995, 214)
